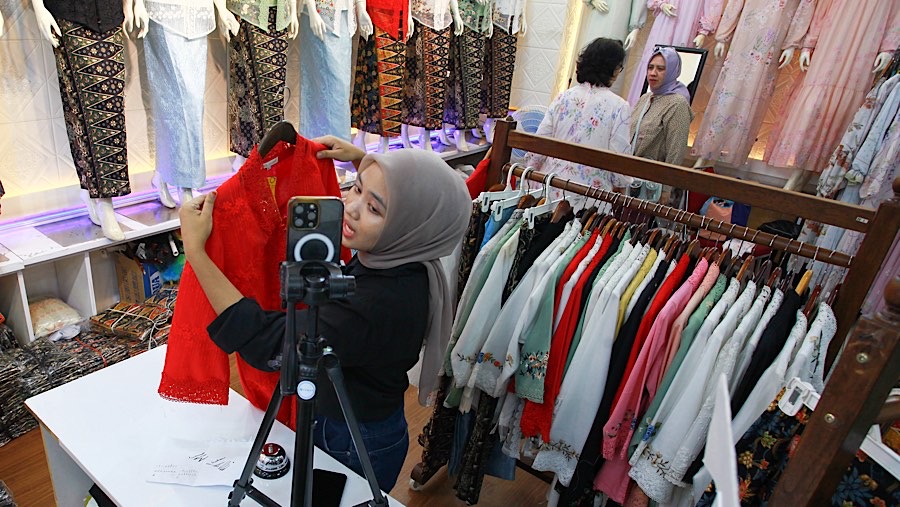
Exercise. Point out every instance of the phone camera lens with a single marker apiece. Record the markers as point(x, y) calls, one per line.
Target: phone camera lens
point(311, 215)
point(298, 222)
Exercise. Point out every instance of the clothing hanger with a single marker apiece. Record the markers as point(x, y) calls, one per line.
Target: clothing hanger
point(773, 278)
point(281, 131)
point(811, 303)
point(506, 192)
point(833, 296)
point(764, 270)
point(804, 282)
point(543, 208)
point(671, 253)
point(562, 209)
point(605, 224)
point(637, 233)
point(798, 393)
point(498, 206)
point(724, 258)
point(744, 267)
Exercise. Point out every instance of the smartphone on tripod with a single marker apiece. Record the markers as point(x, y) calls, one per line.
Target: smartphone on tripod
point(314, 229)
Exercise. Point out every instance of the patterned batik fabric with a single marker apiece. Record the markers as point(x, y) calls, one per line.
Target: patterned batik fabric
point(499, 64)
point(425, 82)
point(470, 243)
point(436, 438)
point(257, 68)
point(91, 71)
point(477, 451)
point(378, 85)
point(464, 83)
point(765, 449)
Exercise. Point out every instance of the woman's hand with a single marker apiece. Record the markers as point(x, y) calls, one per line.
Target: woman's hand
point(196, 223)
point(339, 149)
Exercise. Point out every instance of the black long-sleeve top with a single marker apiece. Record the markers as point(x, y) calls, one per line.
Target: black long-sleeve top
point(98, 15)
point(377, 334)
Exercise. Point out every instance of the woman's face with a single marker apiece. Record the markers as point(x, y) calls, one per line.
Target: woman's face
point(365, 208)
point(656, 71)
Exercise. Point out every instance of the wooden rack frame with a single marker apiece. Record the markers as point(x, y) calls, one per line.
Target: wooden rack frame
point(870, 363)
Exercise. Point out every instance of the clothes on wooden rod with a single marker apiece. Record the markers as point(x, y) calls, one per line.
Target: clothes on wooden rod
point(590, 344)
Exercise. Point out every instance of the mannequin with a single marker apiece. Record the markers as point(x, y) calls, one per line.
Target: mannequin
point(175, 49)
point(379, 73)
point(467, 48)
point(427, 60)
point(500, 61)
point(747, 80)
point(257, 56)
point(93, 103)
point(850, 44)
point(2, 29)
point(326, 41)
point(615, 19)
point(674, 25)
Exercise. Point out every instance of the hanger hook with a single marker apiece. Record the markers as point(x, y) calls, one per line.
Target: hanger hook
point(509, 174)
point(774, 236)
point(816, 253)
point(755, 234)
point(731, 231)
point(548, 178)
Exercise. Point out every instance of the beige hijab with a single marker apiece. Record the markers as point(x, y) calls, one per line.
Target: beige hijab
point(427, 215)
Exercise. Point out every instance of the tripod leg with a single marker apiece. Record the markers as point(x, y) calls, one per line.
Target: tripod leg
point(336, 375)
point(243, 485)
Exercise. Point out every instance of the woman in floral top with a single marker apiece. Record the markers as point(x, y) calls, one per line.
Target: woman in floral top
point(590, 114)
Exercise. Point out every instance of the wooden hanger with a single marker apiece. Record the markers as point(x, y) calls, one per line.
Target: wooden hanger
point(606, 225)
point(653, 235)
point(774, 277)
point(527, 201)
point(764, 269)
point(804, 282)
point(638, 233)
point(671, 253)
point(281, 131)
point(811, 303)
point(833, 296)
point(744, 267)
point(497, 187)
point(562, 210)
point(724, 259)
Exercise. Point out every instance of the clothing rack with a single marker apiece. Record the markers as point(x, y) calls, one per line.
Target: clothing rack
point(868, 366)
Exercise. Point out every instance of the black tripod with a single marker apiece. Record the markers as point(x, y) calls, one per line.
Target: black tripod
point(310, 282)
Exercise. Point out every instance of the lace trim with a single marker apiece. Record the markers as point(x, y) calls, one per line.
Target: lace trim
point(188, 21)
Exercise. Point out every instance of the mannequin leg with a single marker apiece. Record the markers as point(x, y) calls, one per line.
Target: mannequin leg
point(360, 139)
point(798, 180)
point(165, 198)
point(425, 140)
point(461, 143)
point(237, 163)
point(404, 136)
point(185, 194)
point(91, 209)
point(489, 129)
point(385, 144)
point(477, 133)
point(443, 137)
point(702, 162)
point(107, 215)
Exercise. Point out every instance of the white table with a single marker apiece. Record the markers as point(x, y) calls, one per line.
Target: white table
point(103, 428)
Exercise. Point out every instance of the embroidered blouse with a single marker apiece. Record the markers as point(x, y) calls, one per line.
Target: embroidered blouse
point(190, 19)
point(593, 116)
point(256, 12)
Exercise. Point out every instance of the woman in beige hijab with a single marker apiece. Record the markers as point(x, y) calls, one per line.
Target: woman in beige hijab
point(406, 210)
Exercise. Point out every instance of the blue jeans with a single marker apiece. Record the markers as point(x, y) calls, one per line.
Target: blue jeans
point(386, 442)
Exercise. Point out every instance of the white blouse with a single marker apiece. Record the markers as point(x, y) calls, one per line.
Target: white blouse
point(190, 19)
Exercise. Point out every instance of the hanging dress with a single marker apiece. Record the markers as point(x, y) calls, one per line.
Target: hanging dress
point(846, 36)
point(758, 29)
point(427, 60)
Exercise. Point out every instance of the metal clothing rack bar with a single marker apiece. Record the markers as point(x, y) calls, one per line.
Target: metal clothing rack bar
point(694, 220)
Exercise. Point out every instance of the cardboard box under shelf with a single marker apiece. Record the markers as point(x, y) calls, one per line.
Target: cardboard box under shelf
point(137, 280)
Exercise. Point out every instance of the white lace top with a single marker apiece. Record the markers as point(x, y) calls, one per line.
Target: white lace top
point(190, 19)
point(432, 13)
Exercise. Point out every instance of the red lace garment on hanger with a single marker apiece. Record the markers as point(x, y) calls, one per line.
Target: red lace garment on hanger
point(247, 243)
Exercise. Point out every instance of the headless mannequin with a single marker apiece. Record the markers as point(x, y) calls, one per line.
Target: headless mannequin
point(360, 139)
point(667, 9)
point(800, 177)
point(425, 134)
point(229, 26)
point(718, 52)
point(100, 209)
point(1, 24)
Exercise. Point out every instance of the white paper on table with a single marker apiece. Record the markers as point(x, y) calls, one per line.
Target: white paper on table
point(198, 463)
point(720, 458)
